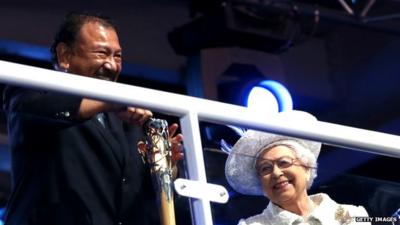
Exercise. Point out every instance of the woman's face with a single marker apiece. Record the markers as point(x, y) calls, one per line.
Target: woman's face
point(282, 181)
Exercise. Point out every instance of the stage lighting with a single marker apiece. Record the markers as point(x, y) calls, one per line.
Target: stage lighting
point(262, 100)
point(2, 210)
point(269, 96)
point(246, 85)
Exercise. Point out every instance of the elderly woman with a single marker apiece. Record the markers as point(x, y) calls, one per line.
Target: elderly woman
point(282, 169)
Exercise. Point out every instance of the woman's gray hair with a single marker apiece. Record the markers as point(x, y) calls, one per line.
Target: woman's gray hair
point(310, 161)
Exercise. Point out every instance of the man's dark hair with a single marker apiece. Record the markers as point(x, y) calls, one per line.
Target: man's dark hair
point(70, 27)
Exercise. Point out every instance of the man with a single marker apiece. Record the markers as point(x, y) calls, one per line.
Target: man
point(75, 160)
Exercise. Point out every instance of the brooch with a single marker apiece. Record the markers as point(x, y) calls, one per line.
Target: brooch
point(342, 216)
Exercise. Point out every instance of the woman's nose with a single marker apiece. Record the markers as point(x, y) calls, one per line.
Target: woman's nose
point(276, 171)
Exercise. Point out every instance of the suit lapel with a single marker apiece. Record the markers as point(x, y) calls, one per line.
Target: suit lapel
point(111, 136)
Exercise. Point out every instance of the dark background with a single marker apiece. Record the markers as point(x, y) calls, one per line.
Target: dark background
point(342, 67)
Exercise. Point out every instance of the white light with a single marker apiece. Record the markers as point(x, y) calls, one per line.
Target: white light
point(269, 96)
point(262, 101)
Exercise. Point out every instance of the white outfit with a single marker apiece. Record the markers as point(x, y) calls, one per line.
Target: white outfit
point(327, 212)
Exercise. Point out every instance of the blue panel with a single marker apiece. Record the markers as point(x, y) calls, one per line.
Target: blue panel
point(37, 52)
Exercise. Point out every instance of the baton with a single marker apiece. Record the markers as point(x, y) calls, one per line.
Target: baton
point(159, 156)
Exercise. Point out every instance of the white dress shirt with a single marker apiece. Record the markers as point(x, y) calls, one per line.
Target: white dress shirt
point(326, 212)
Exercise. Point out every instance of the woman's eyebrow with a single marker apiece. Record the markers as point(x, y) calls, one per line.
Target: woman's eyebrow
point(271, 160)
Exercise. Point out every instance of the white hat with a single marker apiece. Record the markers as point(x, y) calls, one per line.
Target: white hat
point(240, 169)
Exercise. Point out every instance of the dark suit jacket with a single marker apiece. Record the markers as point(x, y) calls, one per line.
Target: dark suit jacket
point(67, 171)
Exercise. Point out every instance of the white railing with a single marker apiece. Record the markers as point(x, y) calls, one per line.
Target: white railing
point(191, 110)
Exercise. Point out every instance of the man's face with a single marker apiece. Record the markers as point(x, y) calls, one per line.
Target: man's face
point(96, 53)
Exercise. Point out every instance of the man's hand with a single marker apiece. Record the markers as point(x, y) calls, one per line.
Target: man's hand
point(176, 144)
point(176, 147)
point(134, 116)
point(131, 115)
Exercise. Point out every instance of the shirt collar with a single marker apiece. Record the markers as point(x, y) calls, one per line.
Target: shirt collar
point(279, 215)
point(322, 212)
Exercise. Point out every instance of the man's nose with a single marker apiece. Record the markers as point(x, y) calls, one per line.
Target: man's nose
point(111, 65)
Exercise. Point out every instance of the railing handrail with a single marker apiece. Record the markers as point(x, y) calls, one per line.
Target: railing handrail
point(207, 110)
point(191, 110)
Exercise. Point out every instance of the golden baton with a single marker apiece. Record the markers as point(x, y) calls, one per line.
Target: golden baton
point(159, 155)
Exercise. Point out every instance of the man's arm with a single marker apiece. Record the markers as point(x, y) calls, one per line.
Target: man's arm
point(40, 105)
point(66, 108)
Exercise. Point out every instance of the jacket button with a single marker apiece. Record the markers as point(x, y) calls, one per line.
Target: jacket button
point(124, 180)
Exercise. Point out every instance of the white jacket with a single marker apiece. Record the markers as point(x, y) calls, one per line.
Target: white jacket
point(327, 212)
